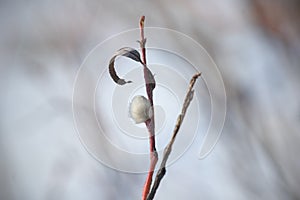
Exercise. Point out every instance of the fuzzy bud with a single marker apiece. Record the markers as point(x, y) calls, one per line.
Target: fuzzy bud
point(140, 109)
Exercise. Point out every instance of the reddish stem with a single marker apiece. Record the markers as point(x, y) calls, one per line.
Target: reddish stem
point(150, 122)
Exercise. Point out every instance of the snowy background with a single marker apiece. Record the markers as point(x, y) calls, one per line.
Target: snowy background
point(256, 46)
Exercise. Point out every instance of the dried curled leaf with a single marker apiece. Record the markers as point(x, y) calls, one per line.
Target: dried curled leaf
point(127, 52)
point(150, 81)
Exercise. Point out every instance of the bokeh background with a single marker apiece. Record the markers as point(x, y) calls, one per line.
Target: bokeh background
point(256, 46)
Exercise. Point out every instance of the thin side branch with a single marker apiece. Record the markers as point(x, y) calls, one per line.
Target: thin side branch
point(150, 85)
point(162, 170)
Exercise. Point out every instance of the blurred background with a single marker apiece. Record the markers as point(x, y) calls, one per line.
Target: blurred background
point(256, 46)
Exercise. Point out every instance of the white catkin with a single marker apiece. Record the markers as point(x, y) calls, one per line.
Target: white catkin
point(139, 109)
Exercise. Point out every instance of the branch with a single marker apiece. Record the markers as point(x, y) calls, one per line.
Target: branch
point(162, 170)
point(150, 85)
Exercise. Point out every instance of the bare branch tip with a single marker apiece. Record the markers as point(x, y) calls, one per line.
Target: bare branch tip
point(197, 75)
point(142, 20)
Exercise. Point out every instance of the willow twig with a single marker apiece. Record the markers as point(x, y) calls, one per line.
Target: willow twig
point(162, 170)
point(150, 85)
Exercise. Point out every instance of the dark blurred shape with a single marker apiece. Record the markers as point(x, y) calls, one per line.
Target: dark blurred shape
point(280, 19)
